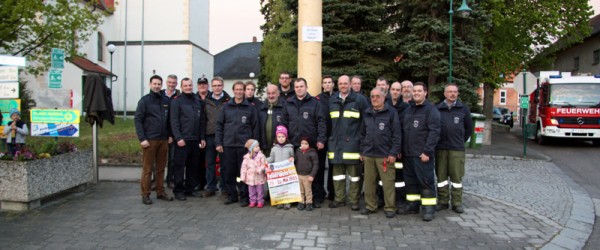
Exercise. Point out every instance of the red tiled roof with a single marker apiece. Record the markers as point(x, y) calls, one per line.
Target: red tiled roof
point(88, 65)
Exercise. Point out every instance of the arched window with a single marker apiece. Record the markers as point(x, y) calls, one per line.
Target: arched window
point(100, 47)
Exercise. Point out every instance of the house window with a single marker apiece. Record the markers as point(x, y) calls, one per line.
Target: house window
point(597, 56)
point(100, 47)
point(576, 63)
point(502, 97)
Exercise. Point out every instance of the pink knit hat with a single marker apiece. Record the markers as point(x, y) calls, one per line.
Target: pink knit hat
point(281, 130)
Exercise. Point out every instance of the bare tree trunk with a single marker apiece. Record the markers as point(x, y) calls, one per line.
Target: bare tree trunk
point(488, 104)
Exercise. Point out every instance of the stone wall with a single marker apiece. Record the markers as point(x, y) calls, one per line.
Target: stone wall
point(26, 181)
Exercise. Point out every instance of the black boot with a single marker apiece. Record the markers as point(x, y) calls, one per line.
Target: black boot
point(411, 207)
point(428, 212)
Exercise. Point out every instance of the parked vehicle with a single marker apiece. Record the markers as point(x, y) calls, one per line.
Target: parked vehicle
point(507, 119)
point(496, 114)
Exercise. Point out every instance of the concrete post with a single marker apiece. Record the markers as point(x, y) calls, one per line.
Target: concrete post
point(310, 14)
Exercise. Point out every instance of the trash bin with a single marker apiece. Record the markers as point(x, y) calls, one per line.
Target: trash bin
point(477, 136)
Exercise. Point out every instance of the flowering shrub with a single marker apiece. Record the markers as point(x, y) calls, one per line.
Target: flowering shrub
point(46, 150)
point(23, 154)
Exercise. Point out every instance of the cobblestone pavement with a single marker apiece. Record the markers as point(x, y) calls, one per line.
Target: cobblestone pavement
point(530, 184)
point(111, 215)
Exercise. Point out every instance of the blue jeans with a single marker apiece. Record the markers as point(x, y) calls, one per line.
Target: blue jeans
point(211, 172)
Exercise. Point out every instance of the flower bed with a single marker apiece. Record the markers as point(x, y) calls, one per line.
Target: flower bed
point(24, 183)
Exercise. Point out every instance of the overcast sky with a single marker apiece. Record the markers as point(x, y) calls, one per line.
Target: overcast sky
point(233, 22)
point(237, 21)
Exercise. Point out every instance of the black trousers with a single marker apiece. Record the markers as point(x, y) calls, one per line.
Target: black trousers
point(232, 163)
point(318, 185)
point(186, 167)
point(202, 169)
point(420, 179)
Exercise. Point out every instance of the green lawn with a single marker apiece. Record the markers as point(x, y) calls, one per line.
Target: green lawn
point(117, 143)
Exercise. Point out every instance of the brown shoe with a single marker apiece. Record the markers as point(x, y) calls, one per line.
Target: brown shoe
point(164, 197)
point(146, 200)
point(208, 193)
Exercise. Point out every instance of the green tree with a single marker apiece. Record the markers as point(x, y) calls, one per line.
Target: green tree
point(356, 40)
point(421, 29)
point(31, 28)
point(279, 48)
point(518, 30)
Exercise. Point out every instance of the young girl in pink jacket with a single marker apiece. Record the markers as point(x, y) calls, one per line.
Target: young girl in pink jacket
point(253, 173)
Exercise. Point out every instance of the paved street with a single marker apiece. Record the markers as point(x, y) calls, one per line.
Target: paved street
point(510, 203)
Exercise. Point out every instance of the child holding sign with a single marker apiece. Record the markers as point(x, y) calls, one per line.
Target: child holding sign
point(282, 150)
point(253, 173)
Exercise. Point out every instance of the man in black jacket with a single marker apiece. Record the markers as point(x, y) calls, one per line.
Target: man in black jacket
point(303, 116)
point(457, 127)
point(421, 132)
point(152, 129)
point(237, 122)
point(318, 186)
point(188, 124)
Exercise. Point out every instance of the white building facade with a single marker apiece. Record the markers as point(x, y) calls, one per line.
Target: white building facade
point(174, 34)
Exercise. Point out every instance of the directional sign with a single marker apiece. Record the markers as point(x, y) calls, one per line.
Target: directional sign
point(70, 116)
point(53, 130)
point(9, 74)
point(531, 83)
point(9, 90)
point(55, 78)
point(58, 58)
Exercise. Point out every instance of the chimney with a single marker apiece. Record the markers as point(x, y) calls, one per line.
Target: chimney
point(253, 39)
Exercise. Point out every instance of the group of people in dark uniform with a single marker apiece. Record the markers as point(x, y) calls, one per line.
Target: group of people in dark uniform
point(390, 144)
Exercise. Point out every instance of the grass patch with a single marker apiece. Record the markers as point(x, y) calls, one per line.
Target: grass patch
point(118, 144)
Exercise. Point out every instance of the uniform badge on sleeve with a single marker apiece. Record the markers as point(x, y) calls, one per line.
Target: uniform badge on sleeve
point(381, 126)
point(456, 120)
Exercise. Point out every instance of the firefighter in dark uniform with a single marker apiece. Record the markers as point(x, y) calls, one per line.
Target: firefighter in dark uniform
point(421, 132)
point(304, 117)
point(237, 122)
point(188, 124)
point(318, 186)
point(346, 113)
point(381, 141)
point(457, 127)
point(396, 102)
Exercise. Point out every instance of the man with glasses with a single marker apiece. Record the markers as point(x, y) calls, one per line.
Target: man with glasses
point(213, 104)
point(381, 139)
point(286, 88)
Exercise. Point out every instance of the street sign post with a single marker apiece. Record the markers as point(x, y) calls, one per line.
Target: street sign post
point(524, 83)
point(55, 78)
point(58, 58)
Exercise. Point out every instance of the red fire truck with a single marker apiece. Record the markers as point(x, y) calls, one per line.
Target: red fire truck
point(565, 106)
